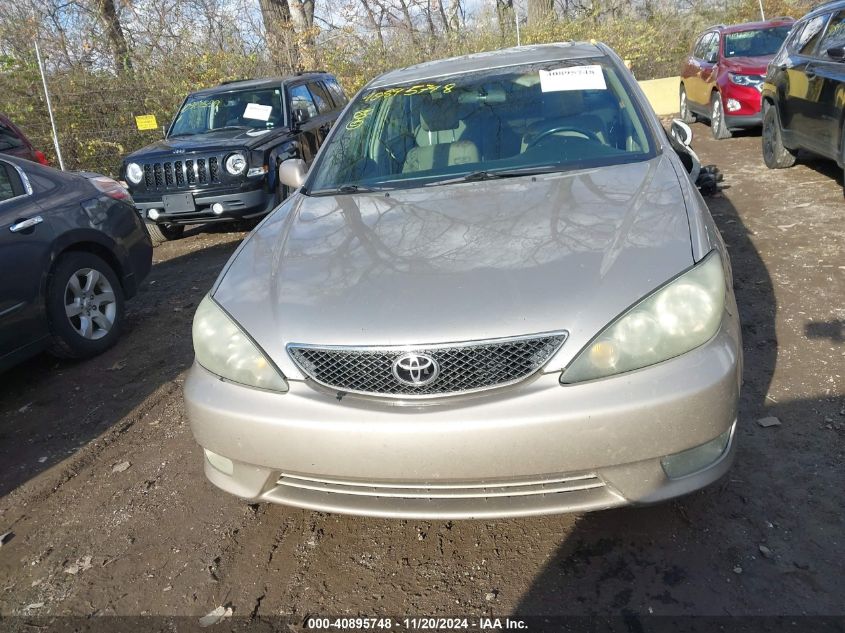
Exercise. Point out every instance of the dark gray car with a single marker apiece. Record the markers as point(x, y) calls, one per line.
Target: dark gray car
point(72, 249)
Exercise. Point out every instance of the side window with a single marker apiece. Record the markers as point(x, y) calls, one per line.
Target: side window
point(712, 47)
point(9, 138)
point(321, 98)
point(835, 35)
point(301, 99)
point(10, 182)
point(336, 92)
point(701, 46)
point(810, 35)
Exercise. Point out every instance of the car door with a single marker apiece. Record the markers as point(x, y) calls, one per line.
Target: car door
point(25, 239)
point(825, 85)
point(693, 81)
point(306, 120)
point(707, 71)
point(326, 108)
point(796, 96)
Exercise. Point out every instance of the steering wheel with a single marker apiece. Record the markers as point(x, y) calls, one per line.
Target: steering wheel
point(587, 134)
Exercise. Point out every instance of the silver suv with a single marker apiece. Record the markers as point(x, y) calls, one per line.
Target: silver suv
point(496, 293)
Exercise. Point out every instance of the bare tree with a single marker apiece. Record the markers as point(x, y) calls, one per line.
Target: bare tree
point(539, 11)
point(107, 13)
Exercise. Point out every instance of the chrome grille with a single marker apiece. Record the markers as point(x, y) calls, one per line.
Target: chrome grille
point(179, 174)
point(464, 367)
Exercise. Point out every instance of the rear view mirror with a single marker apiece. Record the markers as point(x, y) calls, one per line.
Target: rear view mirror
point(292, 173)
point(712, 58)
point(681, 132)
point(301, 116)
point(836, 53)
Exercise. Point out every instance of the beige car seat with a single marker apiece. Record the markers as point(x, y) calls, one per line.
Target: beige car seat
point(438, 139)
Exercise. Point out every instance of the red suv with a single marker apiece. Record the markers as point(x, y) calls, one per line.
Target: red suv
point(14, 142)
point(722, 77)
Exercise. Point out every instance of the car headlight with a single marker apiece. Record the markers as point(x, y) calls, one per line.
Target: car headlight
point(745, 80)
point(235, 163)
point(224, 349)
point(675, 319)
point(134, 173)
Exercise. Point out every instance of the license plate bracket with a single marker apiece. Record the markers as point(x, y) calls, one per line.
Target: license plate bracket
point(179, 203)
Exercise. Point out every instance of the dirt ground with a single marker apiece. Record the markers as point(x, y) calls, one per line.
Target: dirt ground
point(92, 538)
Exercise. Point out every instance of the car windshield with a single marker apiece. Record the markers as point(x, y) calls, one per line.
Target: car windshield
point(757, 43)
point(258, 109)
point(494, 123)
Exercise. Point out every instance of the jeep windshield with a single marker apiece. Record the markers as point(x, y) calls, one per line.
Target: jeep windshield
point(255, 109)
point(757, 43)
point(497, 123)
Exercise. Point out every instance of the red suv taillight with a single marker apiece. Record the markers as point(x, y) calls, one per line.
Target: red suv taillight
point(41, 158)
point(111, 188)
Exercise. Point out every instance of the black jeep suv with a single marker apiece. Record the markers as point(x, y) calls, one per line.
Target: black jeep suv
point(219, 160)
point(803, 106)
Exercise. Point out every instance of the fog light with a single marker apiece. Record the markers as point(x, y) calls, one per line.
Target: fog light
point(696, 459)
point(217, 208)
point(733, 105)
point(153, 214)
point(223, 464)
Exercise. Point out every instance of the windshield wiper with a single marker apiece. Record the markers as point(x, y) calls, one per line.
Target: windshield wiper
point(343, 189)
point(477, 176)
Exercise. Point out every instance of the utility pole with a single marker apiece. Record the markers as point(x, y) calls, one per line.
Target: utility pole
point(49, 105)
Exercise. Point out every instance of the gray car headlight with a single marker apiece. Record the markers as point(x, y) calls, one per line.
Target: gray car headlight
point(224, 349)
point(235, 163)
point(675, 319)
point(134, 173)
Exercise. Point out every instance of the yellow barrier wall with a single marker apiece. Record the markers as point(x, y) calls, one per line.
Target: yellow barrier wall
point(662, 94)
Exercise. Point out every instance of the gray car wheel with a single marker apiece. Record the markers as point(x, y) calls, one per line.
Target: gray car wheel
point(686, 114)
point(84, 306)
point(718, 125)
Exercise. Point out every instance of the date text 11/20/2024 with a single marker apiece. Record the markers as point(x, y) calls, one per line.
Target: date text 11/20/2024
point(416, 624)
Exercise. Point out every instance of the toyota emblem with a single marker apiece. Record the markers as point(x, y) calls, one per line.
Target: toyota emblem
point(415, 369)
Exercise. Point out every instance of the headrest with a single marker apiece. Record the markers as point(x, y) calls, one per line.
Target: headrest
point(564, 103)
point(438, 115)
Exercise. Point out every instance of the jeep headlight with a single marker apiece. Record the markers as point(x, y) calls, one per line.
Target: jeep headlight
point(224, 349)
point(675, 319)
point(134, 173)
point(235, 163)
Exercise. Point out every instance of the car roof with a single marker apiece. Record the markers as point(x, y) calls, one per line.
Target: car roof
point(751, 26)
point(825, 7)
point(264, 82)
point(503, 58)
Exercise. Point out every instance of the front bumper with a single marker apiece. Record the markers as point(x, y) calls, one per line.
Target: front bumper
point(236, 206)
point(744, 120)
point(535, 448)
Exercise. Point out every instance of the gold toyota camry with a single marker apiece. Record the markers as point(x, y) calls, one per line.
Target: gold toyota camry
point(495, 293)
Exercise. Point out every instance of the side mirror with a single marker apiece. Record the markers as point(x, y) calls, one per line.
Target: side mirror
point(836, 53)
point(301, 116)
point(292, 172)
point(681, 132)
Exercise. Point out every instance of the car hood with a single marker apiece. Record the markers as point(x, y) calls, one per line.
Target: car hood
point(747, 65)
point(225, 139)
point(566, 251)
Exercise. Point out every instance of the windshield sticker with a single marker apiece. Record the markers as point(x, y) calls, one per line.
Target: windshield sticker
point(358, 119)
point(408, 91)
point(573, 78)
point(257, 111)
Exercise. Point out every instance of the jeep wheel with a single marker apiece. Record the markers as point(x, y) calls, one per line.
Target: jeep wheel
point(775, 155)
point(686, 115)
point(84, 306)
point(164, 232)
point(718, 125)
